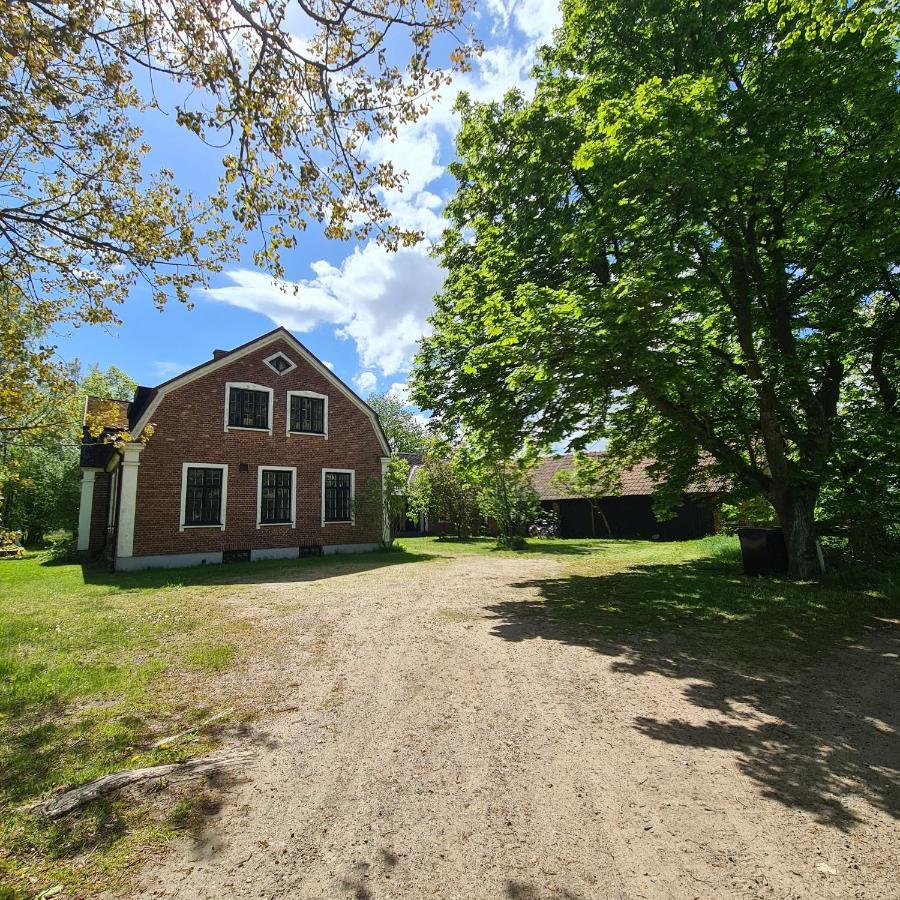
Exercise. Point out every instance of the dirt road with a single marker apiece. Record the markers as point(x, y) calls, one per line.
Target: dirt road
point(447, 741)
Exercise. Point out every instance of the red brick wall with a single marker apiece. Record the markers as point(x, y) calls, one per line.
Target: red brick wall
point(99, 513)
point(190, 428)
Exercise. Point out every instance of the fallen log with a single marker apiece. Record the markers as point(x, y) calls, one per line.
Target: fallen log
point(62, 804)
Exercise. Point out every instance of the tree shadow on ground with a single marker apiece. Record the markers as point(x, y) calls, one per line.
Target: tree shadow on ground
point(532, 547)
point(306, 569)
point(815, 729)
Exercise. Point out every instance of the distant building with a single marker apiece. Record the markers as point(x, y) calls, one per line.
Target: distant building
point(626, 514)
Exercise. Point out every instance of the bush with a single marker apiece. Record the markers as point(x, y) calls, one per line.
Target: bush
point(61, 547)
point(511, 541)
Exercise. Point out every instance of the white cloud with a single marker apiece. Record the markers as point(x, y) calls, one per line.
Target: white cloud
point(534, 18)
point(366, 382)
point(388, 297)
point(328, 364)
point(377, 299)
point(300, 310)
point(399, 390)
point(167, 369)
point(381, 301)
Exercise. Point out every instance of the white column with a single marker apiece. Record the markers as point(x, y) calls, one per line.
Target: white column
point(85, 508)
point(385, 503)
point(128, 499)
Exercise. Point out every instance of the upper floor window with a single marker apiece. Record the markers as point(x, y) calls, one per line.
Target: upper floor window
point(249, 406)
point(308, 413)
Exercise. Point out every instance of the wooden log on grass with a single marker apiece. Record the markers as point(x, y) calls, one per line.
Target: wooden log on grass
point(62, 804)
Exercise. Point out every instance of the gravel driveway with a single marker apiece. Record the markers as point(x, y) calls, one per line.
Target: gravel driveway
point(442, 740)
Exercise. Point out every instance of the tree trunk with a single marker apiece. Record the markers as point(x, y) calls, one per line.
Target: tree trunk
point(795, 514)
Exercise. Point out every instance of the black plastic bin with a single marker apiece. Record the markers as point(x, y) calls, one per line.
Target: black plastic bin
point(763, 551)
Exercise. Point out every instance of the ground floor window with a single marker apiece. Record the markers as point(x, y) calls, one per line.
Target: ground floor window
point(203, 495)
point(337, 496)
point(276, 496)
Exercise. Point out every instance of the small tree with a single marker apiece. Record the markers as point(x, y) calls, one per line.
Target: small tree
point(442, 488)
point(384, 498)
point(508, 497)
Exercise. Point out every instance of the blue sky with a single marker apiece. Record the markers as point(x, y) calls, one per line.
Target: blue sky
point(358, 307)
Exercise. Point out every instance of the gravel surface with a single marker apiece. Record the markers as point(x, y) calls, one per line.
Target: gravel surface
point(442, 739)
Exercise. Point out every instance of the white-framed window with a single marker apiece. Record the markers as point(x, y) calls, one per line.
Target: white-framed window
point(276, 496)
point(248, 407)
point(338, 493)
point(307, 413)
point(280, 363)
point(204, 495)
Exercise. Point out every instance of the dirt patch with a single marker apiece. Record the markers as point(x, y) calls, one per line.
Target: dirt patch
point(436, 744)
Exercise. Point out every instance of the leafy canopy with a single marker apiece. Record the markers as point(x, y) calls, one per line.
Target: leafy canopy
point(687, 243)
point(83, 220)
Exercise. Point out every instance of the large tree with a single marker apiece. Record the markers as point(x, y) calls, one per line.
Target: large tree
point(405, 432)
point(686, 243)
point(285, 92)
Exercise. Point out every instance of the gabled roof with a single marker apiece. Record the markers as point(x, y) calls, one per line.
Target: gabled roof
point(633, 482)
point(148, 399)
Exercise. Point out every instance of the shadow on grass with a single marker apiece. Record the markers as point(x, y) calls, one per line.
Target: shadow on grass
point(815, 730)
point(533, 546)
point(311, 568)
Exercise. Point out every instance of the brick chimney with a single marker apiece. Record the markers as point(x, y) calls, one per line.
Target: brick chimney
point(218, 354)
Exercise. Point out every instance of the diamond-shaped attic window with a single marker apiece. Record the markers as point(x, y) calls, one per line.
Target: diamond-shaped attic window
point(280, 363)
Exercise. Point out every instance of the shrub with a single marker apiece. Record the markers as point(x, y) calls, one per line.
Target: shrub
point(61, 547)
point(510, 541)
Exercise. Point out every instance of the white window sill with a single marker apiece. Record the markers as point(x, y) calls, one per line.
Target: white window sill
point(247, 428)
point(221, 527)
point(270, 524)
point(321, 434)
point(338, 522)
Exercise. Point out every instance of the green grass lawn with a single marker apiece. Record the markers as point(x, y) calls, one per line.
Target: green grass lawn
point(95, 667)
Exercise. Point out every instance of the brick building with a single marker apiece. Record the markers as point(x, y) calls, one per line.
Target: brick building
point(261, 452)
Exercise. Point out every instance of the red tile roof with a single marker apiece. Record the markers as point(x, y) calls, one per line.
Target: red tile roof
point(634, 482)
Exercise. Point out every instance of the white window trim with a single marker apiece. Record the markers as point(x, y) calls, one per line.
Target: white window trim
point(293, 471)
point(352, 474)
point(315, 396)
point(224, 504)
point(268, 362)
point(249, 386)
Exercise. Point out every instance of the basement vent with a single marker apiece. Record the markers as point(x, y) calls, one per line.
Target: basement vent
point(310, 550)
point(235, 556)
